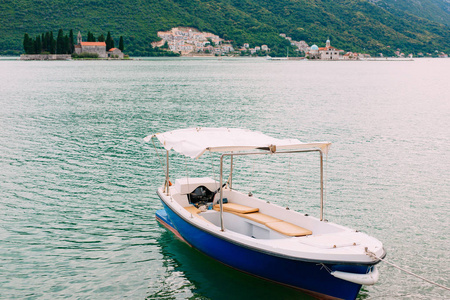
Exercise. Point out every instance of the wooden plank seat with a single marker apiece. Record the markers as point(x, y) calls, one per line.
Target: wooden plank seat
point(236, 208)
point(252, 213)
point(195, 212)
point(258, 217)
point(278, 225)
point(288, 229)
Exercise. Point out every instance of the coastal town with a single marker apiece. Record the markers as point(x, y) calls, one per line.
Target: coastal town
point(188, 41)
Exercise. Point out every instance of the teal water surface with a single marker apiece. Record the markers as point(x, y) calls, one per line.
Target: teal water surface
point(78, 183)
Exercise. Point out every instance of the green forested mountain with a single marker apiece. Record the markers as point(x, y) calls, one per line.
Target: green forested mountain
point(353, 25)
point(434, 10)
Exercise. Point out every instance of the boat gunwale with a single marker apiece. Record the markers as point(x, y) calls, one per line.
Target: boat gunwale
point(310, 292)
point(268, 252)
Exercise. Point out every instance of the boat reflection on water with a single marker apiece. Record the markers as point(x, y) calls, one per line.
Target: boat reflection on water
point(210, 279)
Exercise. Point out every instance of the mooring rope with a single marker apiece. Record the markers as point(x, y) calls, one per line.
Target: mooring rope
point(325, 267)
point(373, 255)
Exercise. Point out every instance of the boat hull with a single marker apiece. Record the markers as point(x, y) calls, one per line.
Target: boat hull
point(311, 277)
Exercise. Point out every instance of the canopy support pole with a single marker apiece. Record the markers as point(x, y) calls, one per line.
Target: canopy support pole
point(321, 185)
point(167, 173)
point(230, 179)
point(222, 228)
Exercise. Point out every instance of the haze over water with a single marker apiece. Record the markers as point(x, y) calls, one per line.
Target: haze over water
point(78, 183)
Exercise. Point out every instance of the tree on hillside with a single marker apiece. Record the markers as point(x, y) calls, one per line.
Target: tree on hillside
point(90, 37)
point(101, 38)
point(52, 43)
point(165, 46)
point(71, 42)
point(28, 45)
point(121, 43)
point(44, 42)
point(37, 45)
point(109, 42)
point(60, 42)
point(66, 45)
point(47, 43)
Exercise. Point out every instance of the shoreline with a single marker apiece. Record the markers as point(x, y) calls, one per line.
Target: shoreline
point(64, 57)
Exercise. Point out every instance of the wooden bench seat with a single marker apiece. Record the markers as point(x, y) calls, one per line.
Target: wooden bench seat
point(236, 208)
point(273, 223)
point(278, 225)
point(195, 212)
point(258, 217)
point(252, 213)
point(288, 229)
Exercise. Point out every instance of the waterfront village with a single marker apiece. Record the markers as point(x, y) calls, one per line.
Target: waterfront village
point(189, 41)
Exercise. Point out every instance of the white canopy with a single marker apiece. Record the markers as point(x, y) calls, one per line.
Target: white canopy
point(193, 142)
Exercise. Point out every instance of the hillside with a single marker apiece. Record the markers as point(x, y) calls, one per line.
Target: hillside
point(353, 25)
point(433, 10)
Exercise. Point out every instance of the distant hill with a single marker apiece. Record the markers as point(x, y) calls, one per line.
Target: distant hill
point(352, 25)
point(433, 10)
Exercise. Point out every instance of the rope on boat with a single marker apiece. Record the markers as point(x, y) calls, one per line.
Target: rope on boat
point(374, 256)
point(325, 267)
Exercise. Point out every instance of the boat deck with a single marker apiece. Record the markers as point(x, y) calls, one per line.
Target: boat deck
point(251, 213)
point(273, 223)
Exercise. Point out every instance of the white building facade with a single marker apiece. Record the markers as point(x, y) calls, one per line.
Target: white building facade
point(325, 53)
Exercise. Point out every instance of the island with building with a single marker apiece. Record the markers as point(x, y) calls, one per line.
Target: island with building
point(99, 49)
point(45, 47)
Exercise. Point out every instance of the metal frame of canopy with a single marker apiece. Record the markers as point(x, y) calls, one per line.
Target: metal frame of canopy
point(166, 184)
point(272, 151)
point(267, 149)
point(194, 142)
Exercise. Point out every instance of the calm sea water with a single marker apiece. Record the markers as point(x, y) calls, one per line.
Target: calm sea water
point(77, 182)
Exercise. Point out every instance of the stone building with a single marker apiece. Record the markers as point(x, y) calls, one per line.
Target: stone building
point(115, 53)
point(91, 47)
point(313, 52)
point(326, 53)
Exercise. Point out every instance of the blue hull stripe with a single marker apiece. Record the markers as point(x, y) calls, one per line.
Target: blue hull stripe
point(308, 276)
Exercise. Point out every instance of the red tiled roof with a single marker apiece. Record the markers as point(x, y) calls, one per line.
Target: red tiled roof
point(93, 44)
point(112, 49)
point(329, 49)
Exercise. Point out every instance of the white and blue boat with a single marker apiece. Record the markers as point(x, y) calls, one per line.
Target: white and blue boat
point(256, 236)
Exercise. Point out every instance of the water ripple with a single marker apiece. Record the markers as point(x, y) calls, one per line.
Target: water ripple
point(78, 183)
